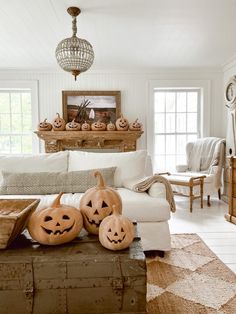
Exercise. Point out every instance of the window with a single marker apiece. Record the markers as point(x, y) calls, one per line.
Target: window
point(176, 122)
point(17, 119)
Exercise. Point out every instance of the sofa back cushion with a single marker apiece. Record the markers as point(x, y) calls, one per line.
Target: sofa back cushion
point(128, 165)
point(54, 162)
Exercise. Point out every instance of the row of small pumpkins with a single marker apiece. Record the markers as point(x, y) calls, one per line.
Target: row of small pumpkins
point(59, 124)
point(100, 214)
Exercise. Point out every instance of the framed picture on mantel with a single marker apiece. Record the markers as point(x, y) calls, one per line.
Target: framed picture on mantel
point(91, 106)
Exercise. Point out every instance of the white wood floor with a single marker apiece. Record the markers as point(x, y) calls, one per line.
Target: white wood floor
point(209, 223)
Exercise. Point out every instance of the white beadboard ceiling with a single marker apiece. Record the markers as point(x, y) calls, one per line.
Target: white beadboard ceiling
point(125, 34)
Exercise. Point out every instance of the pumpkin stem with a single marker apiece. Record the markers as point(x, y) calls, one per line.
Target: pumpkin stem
point(136, 120)
point(100, 180)
point(115, 210)
point(58, 115)
point(121, 116)
point(57, 201)
point(45, 120)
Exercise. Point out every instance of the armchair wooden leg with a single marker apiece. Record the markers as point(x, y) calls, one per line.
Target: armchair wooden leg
point(219, 194)
point(208, 200)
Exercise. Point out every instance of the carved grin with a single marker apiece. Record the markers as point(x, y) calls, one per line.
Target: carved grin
point(48, 231)
point(93, 222)
point(116, 241)
point(57, 126)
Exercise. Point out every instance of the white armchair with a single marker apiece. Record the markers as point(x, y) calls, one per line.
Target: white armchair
point(204, 157)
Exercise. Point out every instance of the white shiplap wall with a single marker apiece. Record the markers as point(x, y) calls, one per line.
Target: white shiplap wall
point(134, 89)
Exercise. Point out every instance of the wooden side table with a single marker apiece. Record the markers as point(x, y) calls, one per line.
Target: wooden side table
point(184, 180)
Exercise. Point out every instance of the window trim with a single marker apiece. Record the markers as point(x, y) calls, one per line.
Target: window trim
point(33, 86)
point(203, 85)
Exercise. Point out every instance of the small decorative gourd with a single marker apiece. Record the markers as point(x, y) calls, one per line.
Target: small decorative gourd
point(111, 126)
point(56, 224)
point(98, 126)
point(96, 204)
point(122, 124)
point(135, 126)
point(58, 123)
point(44, 126)
point(85, 126)
point(116, 232)
point(73, 126)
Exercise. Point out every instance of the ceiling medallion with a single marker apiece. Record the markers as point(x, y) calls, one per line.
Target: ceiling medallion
point(74, 54)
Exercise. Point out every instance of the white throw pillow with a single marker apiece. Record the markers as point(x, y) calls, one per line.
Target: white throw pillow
point(54, 162)
point(129, 165)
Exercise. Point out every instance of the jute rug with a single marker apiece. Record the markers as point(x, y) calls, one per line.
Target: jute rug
point(190, 280)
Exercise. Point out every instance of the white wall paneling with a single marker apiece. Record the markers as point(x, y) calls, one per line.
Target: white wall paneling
point(134, 87)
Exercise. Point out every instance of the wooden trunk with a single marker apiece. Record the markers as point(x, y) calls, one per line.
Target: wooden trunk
point(231, 216)
point(79, 277)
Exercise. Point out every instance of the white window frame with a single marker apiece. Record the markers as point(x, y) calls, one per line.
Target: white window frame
point(33, 86)
point(203, 85)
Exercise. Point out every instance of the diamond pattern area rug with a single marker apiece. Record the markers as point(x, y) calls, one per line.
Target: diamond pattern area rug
point(190, 280)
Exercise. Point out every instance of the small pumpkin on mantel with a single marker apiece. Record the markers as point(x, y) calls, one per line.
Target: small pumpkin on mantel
point(116, 232)
point(58, 123)
point(73, 126)
point(122, 124)
point(44, 126)
point(85, 126)
point(111, 126)
point(55, 224)
point(98, 126)
point(135, 126)
point(96, 204)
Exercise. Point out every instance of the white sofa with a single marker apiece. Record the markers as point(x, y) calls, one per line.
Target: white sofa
point(149, 209)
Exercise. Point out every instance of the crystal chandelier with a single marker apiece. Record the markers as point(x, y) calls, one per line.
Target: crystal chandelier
point(74, 54)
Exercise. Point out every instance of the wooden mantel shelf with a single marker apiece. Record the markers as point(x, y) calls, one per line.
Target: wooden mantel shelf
point(56, 141)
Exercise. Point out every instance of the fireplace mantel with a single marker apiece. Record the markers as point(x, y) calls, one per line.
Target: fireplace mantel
point(55, 141)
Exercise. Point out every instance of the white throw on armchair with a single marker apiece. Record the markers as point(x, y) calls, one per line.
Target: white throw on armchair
point(205, 156)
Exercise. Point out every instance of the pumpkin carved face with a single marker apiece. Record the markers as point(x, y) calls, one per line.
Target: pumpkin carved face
point(111, 126)
point(55, 225)
point(116, 232)
point(122, 124)
point(73, 126)
point(58, 123)
point(98, 126)
point(96, 204)
point(85, 126)
point(44, 126)
point(135, 126)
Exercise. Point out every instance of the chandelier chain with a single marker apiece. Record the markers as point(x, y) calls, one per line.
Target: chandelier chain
point(74, 26)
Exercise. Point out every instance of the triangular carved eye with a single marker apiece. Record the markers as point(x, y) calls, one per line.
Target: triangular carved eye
point(89, 204)
point(104, 204)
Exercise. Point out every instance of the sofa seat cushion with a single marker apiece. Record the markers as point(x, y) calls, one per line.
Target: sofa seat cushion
point(138, 207)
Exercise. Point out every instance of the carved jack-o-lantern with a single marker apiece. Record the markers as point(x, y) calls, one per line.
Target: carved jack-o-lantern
point(56, 224)
point(73, 126)
point(96, 204)
point(116, 232)
point(44, 126)
point(122, 124)
point(135, 126)
point(58, 123)
point(85, 126)
point(111, 126)
point(98, 126)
